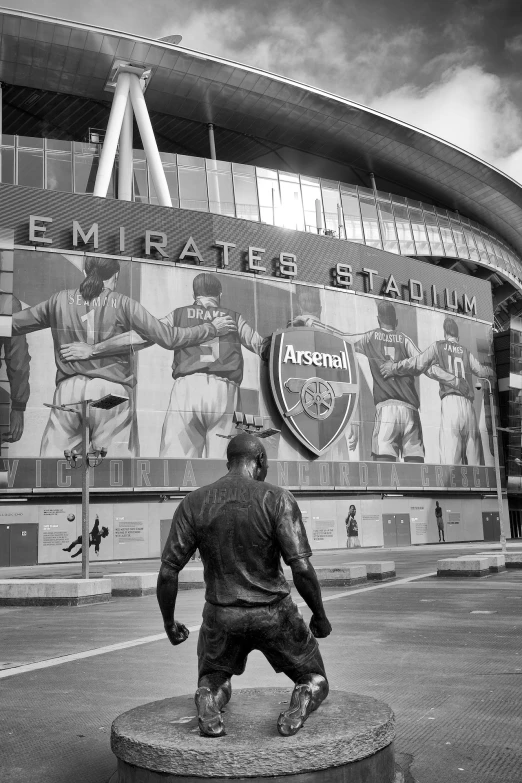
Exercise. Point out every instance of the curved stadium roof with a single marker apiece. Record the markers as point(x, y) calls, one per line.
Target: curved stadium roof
point(55, 75)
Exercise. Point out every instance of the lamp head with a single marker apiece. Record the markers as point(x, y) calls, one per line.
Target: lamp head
point(478, 385)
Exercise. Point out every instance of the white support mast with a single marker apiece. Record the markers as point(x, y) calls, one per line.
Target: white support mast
point(128, 100)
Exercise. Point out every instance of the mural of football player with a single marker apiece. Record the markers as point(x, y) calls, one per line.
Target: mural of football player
point(397, 430)
point(15, 355)
point(207, 377)
point(459, 438)
point(93, 312)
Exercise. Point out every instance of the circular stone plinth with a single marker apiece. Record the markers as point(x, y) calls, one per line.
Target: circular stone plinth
point(347, 732)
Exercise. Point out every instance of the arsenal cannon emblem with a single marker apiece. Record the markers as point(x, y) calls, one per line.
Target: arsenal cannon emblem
point(315, 383)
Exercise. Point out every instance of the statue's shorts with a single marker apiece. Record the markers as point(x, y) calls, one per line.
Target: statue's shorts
point(229, 633)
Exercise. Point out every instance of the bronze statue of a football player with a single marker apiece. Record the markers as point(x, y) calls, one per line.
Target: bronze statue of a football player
point(242, 527)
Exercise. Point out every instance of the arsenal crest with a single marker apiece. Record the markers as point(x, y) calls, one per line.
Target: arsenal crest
point(315, 383)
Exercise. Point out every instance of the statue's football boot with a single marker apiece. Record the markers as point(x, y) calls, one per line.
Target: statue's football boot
point(290, 721)
point(209, 715)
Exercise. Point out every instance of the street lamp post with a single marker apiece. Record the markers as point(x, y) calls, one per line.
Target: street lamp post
point(86, 459)
point(497, 464)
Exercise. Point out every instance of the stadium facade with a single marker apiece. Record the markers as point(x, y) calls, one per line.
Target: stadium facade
point(221, 245)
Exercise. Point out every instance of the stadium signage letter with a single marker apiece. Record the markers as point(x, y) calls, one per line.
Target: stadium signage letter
point(155, 243)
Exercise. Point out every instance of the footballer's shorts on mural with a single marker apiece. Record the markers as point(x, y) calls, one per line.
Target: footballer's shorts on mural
point(459, 432)
point(200, 409)
point(397, 431)
point(110, 429)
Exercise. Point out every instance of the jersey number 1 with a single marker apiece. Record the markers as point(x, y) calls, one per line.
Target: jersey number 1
point(88, 320)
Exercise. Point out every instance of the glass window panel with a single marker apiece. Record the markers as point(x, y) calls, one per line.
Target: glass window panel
point(458, 234)
point(170, 169)
point(371, 233)
point(331, 203)
point(85, 169)
point(489, 249)
point(291, 213)
point(473, 252)
point(447, 239)
point(245, 191)
point(388, 230)
point(429, 218)
point(398, 200)
point(392, 247)
point(350, 204)
point(8, 166)
point(311, 192)
point(193, 189)
point(139, 180)
point(368, 208)
point(241, 168)
point(30, 141)
point(221, 193)
point(435, 241)
point(496, 248)
point(478, 240)
point(287, 176)
point(268, 198)
point(419, 232)
point(401, 212)
point(56, 144)
point(189, 160)
point(30, 168)
point(266, 173)
point(8, 140)
point(169, 158)
point(218, 165)
point(171, 175)
point(423, 248)
point(407, 247)
point(353, 230)
point(385, 210)
point(59, 171)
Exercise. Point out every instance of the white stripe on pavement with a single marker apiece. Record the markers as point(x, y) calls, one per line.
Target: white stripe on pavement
point(49, 662)
point(31, 667)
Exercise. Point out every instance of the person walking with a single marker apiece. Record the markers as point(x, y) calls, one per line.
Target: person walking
point(243, 527)
point(352, 529)
point(440, 522)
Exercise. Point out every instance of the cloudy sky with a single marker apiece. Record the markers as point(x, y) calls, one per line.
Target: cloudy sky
point(451, 67)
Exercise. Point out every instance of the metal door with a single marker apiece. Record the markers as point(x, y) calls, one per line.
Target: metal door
point(396, 530)
point(491, 525)
point(402, 526)
point(23, 547)
point(389, 531)
point(5, 536)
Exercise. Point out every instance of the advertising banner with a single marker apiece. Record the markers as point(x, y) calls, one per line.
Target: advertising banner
point(381, 393)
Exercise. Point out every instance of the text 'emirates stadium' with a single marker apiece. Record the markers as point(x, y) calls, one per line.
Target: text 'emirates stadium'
point(222, 248)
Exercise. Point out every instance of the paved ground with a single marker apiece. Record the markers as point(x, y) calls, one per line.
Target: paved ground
point(445, 654)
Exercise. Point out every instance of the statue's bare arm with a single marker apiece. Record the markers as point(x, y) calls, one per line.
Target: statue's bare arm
point(167, 593)
point(307, 585)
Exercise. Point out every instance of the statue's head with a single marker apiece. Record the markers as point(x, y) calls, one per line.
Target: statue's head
point(247, 452)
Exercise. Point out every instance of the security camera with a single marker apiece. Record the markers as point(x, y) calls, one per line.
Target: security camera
point(478, 385)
